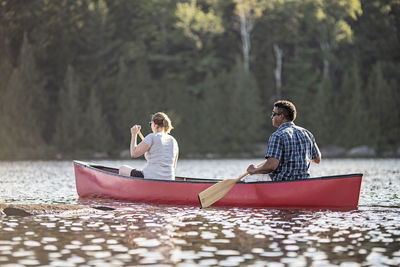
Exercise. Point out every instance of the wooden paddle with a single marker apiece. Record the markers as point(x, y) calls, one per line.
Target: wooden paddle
point(140, 135)
point(219, 190)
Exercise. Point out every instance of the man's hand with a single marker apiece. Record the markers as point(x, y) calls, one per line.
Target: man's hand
point(251, 169)
point(269, 165)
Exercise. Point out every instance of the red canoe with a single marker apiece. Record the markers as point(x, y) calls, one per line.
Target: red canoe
point(341, 191)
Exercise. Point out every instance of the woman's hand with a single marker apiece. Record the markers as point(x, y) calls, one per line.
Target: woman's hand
point(135, 129)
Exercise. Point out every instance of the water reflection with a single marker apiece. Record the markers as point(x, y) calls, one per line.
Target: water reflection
point(162, 235)
point(180, 235)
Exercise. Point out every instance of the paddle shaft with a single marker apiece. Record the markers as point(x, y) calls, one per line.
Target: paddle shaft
point(140, 135)
point(219, 190)
point(240, 177)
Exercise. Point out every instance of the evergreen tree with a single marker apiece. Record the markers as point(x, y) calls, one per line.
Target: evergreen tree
point(96, 128)
point(96, 63)
point(233, 105)
point(353, 111)
point(244, 108)
point(323, 121)
point(377, 35)
point(133, 58)
point(205, 116)
point(23, 105)
point(69, 134)
point(6, 69)
point(137, 100)
point(383, 133)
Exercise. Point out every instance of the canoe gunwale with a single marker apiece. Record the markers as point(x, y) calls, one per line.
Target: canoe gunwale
point(97, 168)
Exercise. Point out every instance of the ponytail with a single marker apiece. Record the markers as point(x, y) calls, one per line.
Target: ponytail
point(162, 120)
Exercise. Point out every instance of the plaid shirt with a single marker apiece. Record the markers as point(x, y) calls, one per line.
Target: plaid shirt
point(294, 147)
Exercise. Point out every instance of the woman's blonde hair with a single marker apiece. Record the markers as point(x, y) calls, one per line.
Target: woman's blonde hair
point(162, 120)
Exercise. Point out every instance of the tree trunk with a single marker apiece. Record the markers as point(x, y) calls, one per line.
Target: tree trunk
point(325, 46)
point(246, 26)
point(278, 70)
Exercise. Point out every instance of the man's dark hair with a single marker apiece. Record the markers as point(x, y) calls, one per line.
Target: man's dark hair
point(287, 109)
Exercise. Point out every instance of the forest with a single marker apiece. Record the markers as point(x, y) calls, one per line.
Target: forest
point(75, 75)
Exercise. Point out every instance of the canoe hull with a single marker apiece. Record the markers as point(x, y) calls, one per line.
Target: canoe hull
point(335, 191)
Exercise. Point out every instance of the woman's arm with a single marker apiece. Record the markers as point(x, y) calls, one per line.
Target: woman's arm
point(137, 150)
point(176, 160)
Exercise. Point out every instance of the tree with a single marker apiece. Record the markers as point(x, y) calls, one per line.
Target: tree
point(69, 132)
point(137, 98)
point(96, 129)
point(96, 64)
point(354, 129)
point(115, 62)
point(277, 41)
point(230, 111)
point(333, 27)
point(322, 115)
point(23, 105)
point(376, 34)
point(6, 69)
point(243, 113)
point(382, 131)
point(247, 11)
point(197, 24)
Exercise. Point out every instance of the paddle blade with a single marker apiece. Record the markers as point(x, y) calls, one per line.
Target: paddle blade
point(216, 192)
point(219, 190)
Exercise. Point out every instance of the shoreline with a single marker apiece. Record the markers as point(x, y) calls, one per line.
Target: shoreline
point(328, 152)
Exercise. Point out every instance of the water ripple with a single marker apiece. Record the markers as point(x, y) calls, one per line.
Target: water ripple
point(163, 235)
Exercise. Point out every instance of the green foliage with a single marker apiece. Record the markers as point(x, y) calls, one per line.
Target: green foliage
point(381, 128)
point(197, 24)
point(69, 135)
point(353, 108)
point(96, 127)
point(22, 106)
point(227, 116)
point(242, 112)
point(76, 84)
point(137, 99)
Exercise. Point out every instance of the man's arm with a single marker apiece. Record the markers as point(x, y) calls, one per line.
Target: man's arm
point(270, 165)
point(317, 159)
point(316, 153)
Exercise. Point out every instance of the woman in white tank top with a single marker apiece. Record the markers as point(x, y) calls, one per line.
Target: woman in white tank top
point(159, 148)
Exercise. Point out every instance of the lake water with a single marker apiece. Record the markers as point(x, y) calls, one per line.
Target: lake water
point(163, 235)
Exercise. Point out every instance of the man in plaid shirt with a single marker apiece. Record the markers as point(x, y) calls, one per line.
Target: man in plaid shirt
point(290, 148)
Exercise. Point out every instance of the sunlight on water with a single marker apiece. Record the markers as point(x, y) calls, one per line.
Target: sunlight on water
point(150, 234)
point(164, 235)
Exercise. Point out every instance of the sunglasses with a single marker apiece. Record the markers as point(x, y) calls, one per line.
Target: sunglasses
point(150, 123)
point(275, 114)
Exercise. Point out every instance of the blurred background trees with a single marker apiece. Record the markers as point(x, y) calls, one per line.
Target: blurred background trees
point(76, 75)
